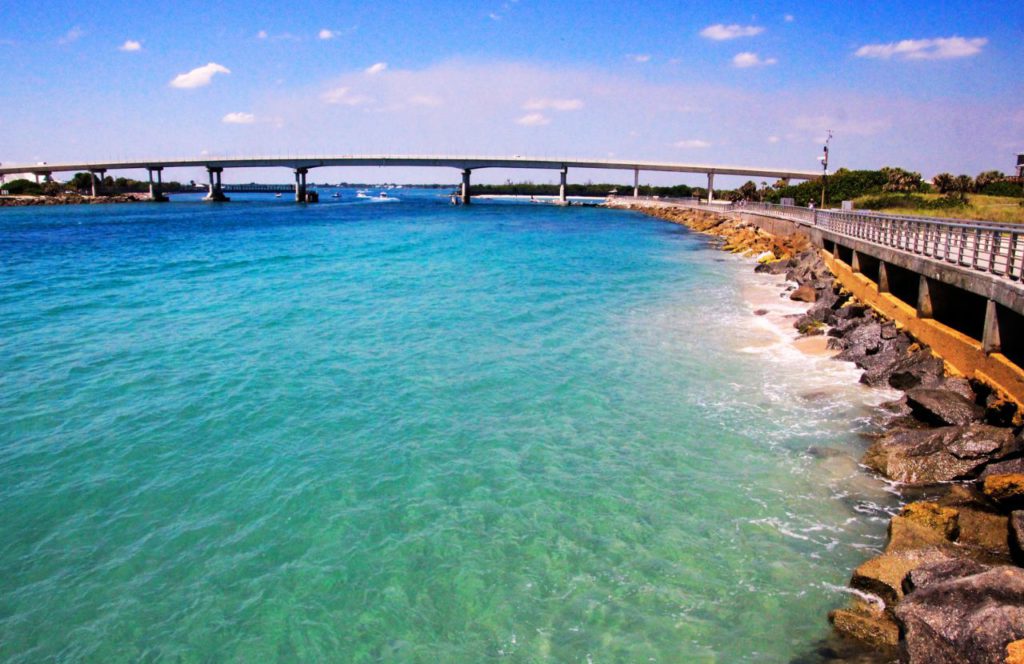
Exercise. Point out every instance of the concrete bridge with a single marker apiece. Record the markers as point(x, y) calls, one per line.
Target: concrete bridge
point(466, 164)
point(957, 285)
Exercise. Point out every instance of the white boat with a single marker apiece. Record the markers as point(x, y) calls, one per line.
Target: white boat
point(335, 195)
point(277, 195)
point(362, 194)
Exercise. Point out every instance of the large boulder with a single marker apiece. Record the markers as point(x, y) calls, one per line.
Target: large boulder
point(883, 575)
point(966, 619)
point(939, 407)
point(1006, 490)
point(928, 456)
point(866, 622)
point(909, 370)
point(804, 293)
point(1007, 466)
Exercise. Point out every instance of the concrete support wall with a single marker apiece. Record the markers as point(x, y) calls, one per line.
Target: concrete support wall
point(300, 185)
point(216, 192)
point(156, 186)
point(97, 182)
point(561, 187)
point(636, 183)
point(711, 187)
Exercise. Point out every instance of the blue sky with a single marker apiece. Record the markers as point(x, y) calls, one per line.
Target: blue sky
point(929, 86)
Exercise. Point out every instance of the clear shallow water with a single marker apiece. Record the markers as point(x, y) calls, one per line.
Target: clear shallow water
point(411, 432)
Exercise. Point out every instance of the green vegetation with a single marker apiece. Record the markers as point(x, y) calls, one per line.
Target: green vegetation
point(588, 189)
point(1002, 209)
point(21, 188)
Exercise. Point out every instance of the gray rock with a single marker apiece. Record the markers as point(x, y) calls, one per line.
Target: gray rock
point(930, 574)
point(907, 371)
point(939, 407)
point(1006, 467)
point(965, 619)
point(928, 456)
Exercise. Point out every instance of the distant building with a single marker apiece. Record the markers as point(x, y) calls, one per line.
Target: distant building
point(1020, 164)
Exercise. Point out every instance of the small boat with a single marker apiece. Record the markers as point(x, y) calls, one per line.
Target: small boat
point(335, 195)
point(362, 194)
point(382, 194)
point(277, 195)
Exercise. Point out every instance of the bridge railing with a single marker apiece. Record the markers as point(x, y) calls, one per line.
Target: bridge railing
point(997, 249)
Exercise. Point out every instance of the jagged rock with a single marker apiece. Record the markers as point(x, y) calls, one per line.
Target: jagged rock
point(932, 573)
point(911, 370)
point(772, 267)
point(928, 456)
point(908, 534)
point(1016, 536)
point(804, 293)
point(865, 622)
point(889, 330)
point(961, 386)
point(937, 406)
point(834, 344)
point(851, 311)
point(968, 619)
point(942, 520)
point(883, 575)
point(1008, 466)
point(984, 532)
point(760, 312)
point(1006, 490)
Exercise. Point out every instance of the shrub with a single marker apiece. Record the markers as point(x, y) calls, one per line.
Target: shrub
point(22, 188)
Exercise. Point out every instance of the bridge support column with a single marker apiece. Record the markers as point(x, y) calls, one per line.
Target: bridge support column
point(300, 185)
point(636, 183)
point(883, 277)
point(924, 299)
point(465, 186)
point(156, 186)
point(96, 180)
point(216, 191)
point(855, 263)
point(562, 200)
point(711, 187)
point(990, 341)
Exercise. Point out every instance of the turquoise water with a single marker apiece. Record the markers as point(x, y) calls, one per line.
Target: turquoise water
point(407, 432)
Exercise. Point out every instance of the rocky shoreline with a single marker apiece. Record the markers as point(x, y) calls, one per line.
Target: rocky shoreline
point(70, 199)
point(949, 585)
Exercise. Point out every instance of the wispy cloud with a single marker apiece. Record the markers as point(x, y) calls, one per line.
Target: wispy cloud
point(130, 45)
point(553, 104)
point(747, 59)
point(343, 96)
point(788, 18)
point(533, 120)
point(941, 48)
point(499, 14)
point(199, 76)
point(239, 118)
point(71, 36)
point(639, 57)
point(326, 34)
point(376, 68)
point(262, 34)
point(722, 32)
point(774, 139)
point(692, 143)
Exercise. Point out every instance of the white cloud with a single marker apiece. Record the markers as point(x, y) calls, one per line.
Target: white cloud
point(72, 35)
point(941, 48)
point(130, 45)
point(692, 143)
point(327, 34)
point(639, 57)
point(376, 68)
point(747, 59)
point(262, 34)
point(774, 139)
point(721, 32)
point(553, 104)
point(239, 118)
point(342, 95)
point(788, 18)
point(199, 76)
point(533, 120)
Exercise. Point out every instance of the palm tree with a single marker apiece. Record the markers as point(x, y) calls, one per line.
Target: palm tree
point(963, 185)
point(986, 178)
point(943, 182)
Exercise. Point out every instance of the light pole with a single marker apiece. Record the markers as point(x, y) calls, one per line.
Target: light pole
point(824, 168)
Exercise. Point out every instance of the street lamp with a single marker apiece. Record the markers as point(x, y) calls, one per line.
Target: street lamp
point(824, 168)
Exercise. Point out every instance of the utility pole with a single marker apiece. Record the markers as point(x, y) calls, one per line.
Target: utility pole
point(824, 168)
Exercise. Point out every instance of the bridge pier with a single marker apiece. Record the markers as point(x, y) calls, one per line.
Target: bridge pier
point(883, 278)
point(216, 192)
point(990, 341)
point(96, 180)
point(711, 187)
point(924, 298)
point(562, 200)
point(300, 184)
point(465, 186)
point(855, 263)
point(636, 183)
point(156, 187)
